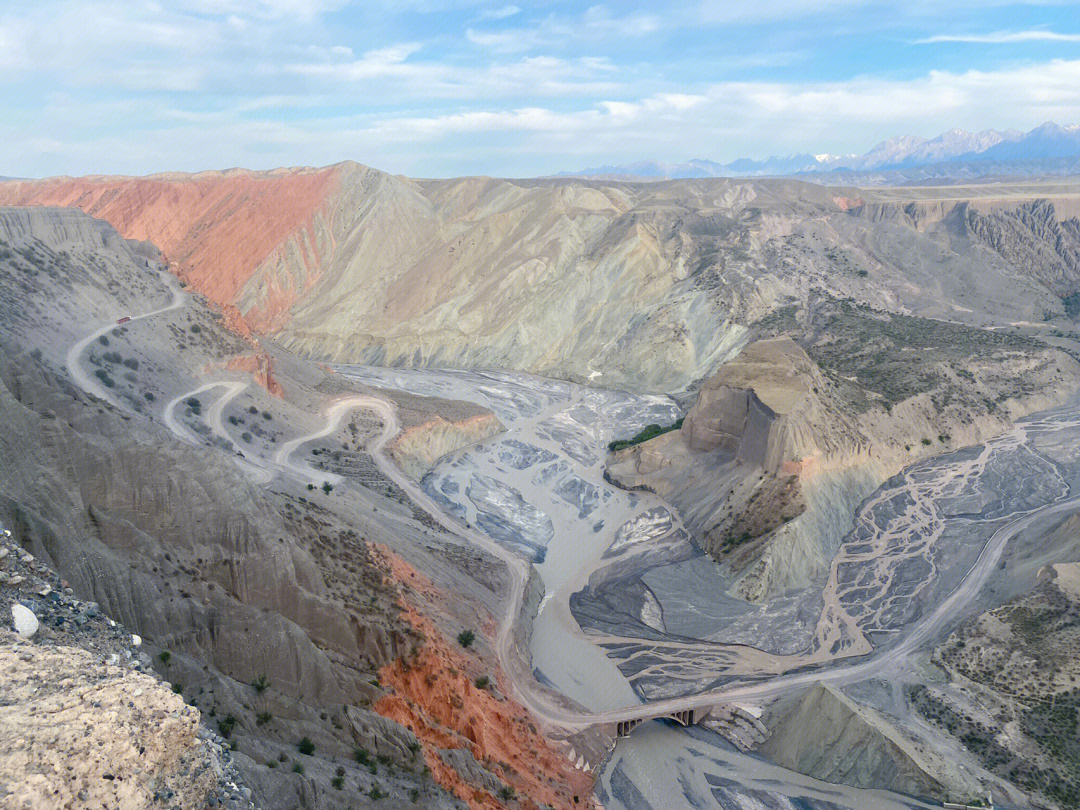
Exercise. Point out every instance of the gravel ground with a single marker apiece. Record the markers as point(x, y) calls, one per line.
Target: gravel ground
point(84, 721)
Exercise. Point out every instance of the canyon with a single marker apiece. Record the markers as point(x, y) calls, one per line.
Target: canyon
point(335, 444)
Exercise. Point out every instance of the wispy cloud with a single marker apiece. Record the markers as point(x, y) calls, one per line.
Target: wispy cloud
point(499, 13)
point(1002, 37)
point(554, 31)
point(441, 87)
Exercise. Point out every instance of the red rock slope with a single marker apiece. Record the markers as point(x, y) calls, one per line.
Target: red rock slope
point(216, 227)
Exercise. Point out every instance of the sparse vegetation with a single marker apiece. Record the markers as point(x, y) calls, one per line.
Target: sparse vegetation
point(305, 746)
point(650, 432)
point(226, 725)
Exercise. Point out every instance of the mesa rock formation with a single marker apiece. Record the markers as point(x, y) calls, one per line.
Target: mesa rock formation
point(777, 452)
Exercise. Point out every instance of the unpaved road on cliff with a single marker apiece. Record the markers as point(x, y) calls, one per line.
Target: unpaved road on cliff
point(86, 381)
point(520, 676)
point(260, 473)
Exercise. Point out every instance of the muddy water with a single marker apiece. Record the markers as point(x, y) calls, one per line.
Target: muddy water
point(538, 489)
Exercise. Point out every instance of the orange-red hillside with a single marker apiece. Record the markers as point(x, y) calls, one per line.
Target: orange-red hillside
point(217, 227)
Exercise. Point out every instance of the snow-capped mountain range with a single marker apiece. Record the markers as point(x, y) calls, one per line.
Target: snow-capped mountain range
point(996, 149)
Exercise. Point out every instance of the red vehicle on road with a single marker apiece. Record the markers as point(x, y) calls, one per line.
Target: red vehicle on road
point(125, 319)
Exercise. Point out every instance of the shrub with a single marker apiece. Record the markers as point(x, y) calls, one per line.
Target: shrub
point(132, 363)
point(483, 682)
point(271, 763)
point(178, 688)
point(338, 782)
point(149, 396)
point(650, 432)
point(226, 725)
point(506, 793)
point(927, 442)
point(327, 487)
point(361, 755)
point(466, 637)
point(306, 746)
point(195, 329)
point(164, 657)
point(375, 793)
point(246, 436)
point(104, 341)
point(260, 684)
point(266, 415)
point(297, 768)
point(253, 410)
point(262, 718)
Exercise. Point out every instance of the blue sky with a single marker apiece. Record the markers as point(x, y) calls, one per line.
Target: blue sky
point(438, 88)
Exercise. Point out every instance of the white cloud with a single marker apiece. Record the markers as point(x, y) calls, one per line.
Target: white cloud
point(1002, 37)
point(500, 13)
point(596, 24)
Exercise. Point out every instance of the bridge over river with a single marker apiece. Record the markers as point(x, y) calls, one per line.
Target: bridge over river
point(741, 725)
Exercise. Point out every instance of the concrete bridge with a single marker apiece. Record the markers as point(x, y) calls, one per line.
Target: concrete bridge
point(740, 724)
point(684, 717)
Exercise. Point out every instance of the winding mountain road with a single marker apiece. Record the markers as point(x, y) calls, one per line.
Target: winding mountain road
point(86, 381)
point(525, 687)
point(259, 472)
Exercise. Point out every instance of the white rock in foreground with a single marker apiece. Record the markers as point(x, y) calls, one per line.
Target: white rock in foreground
point(26, 623)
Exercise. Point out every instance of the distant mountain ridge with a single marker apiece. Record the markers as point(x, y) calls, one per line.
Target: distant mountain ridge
point(996, 150)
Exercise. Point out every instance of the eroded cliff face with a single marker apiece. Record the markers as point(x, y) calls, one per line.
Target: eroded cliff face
point(823, 733)
point(217, 227)
point(417, 447)
point(776, 453)
point(648, 286)
point(480, 744)
point(275, 617)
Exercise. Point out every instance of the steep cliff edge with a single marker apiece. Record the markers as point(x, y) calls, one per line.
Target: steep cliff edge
point(823, 733)
point(430, 431)
point(83, 718)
